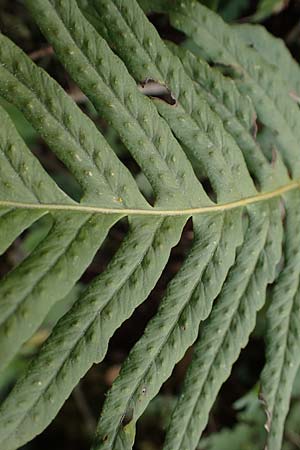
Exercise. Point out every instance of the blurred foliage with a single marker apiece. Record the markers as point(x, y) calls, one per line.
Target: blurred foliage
point(266, 8)
point(249, 431)
point(235, 9)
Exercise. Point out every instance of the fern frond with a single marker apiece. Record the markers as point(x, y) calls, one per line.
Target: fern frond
point(233, 54)
point(110, 49)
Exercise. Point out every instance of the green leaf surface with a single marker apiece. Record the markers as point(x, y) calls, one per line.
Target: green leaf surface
point(225, 331)
point(71, 243)
point(67, 131)
point(173, 330)
point(105, 80)
point(274, 51)
point(282, 358)
point(203, 158)
point(157, 63)
point(22, 178)
point(254, 76)
point(92, 319)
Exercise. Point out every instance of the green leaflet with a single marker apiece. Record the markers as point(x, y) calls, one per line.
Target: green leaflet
point(283, 330)
point(275, 52)
point(254, 76)
point(110, 48)
point(209, 145)
point(72, 243)
point(174, 328)
point(13, 223)
point(224, 98)
point(93, 319)
point(67, 131)
point(105, 80)
point(225, 332)
point(21, 177)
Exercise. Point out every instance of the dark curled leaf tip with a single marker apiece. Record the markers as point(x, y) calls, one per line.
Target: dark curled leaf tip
point(152, 88)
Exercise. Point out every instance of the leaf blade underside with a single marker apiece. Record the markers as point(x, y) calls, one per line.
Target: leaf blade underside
point(238, 238)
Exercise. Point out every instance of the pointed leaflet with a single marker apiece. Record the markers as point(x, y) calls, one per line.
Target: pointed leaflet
point(81, 153)
point(255, 69)
point(66, 129)
point(191, 119)
point(283, 338)
point(273, 50)
point(228, 327)
point(223, 97)
point(37, 404)
point(254, 76)
point(107, 302)
point(105, 80)
point(21, 178)
point(188, 301)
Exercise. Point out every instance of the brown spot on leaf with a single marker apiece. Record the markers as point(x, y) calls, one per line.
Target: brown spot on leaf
point(295, 96)
point(254, 128)
point(127, 418)
point(268, 413)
